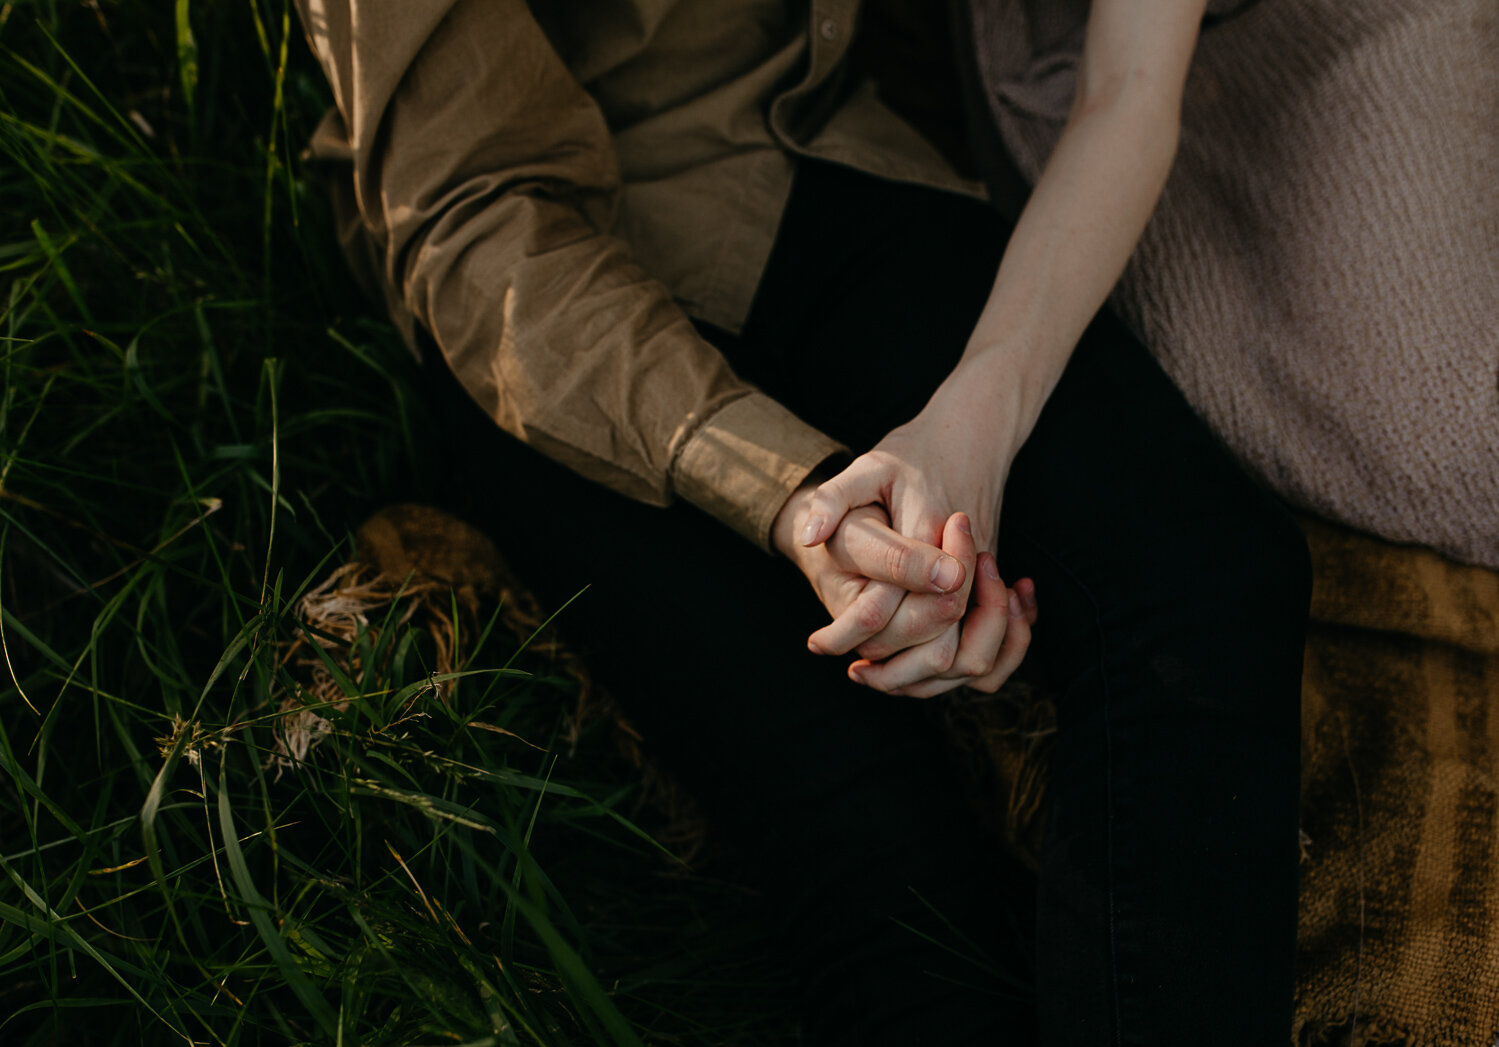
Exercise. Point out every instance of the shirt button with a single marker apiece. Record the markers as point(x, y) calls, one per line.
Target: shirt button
point(828, 29)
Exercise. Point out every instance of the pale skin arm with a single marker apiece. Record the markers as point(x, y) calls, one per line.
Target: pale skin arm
point(1068, 249)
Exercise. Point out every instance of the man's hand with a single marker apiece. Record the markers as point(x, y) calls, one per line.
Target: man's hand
point(987, 646)
point(977, 649)
point(865, 571)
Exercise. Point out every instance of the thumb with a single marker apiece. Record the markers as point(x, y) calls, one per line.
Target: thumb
point(862, 483)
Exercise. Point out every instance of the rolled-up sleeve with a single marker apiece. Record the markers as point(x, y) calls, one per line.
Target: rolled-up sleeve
point(485, 180)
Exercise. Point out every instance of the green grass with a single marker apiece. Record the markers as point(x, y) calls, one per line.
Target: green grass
point(197, 408)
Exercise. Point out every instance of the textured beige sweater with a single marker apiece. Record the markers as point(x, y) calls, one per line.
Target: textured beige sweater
point(1321, 276)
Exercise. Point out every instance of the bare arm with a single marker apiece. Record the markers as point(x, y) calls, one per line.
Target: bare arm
point(1068, 249)
point(1093, 198)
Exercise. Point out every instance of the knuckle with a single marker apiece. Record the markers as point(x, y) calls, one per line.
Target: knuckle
point(950, 607)
point(870, 616)
point(943, 651)
point(897, 559)
point(969, 665)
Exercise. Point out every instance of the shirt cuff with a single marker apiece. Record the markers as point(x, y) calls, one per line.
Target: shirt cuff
point(743, 463)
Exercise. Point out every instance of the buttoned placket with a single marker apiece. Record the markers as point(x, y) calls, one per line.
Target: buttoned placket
point(830, 31)
point(833, 22)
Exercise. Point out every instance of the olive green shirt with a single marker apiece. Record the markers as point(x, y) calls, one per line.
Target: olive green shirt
point(552, 189)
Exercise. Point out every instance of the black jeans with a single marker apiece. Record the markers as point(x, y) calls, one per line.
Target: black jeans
point(1172, 596)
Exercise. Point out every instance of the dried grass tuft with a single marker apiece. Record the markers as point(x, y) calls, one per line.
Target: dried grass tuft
point(414, 564)
point(1004, 741)
point(418, 563)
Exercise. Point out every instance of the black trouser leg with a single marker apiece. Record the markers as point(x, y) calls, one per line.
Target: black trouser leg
point(1173, 595)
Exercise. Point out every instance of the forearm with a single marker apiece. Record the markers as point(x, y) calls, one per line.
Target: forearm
point(485, 176)
point(1067, 252)
point(567, 343)
point(1088, 208)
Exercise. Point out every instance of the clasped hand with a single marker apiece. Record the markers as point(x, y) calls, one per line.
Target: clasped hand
point(911, 590)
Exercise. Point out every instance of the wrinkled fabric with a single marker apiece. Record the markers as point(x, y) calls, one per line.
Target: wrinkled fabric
point(552, 193)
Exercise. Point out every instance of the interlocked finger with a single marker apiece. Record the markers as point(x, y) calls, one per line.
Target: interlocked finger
point(948, 661)
point(992, 642)
point(868, 614)
point(867, 545)
point(1011, 653)
point(922, 617)
point(912, 666)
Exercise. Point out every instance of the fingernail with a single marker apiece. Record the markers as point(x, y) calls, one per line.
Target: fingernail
point(809, 532)
point(991, 568)
point(1016, 611)
point(1028, 597)
point(946, 574)
point(813, 647)
point(964, 525)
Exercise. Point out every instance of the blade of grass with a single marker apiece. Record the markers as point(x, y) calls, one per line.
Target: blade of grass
point(260, 911)
point(507, 926)
point(60, 267)
point(270, 373)
point(149, 810)
point(581, 983)
point(187, 57)
point(52, 921)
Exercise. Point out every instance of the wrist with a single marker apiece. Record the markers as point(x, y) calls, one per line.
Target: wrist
point(983, 412)
point(1015, 381)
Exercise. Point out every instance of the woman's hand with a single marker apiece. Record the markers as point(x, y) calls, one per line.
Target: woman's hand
point(940, 479)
